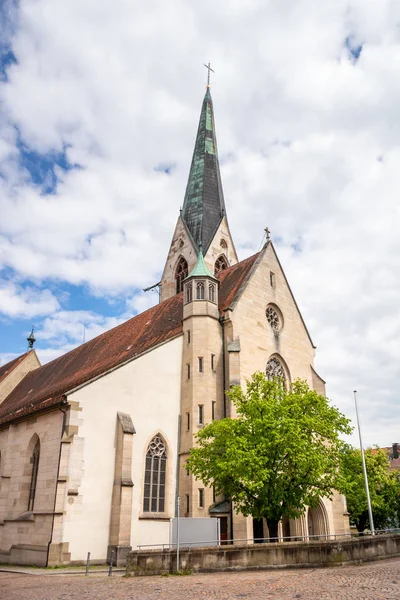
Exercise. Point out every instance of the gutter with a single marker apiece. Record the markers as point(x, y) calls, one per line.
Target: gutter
point(222, 323)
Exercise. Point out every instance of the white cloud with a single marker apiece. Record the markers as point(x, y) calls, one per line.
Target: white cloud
point(309, 145)
point(26, 302)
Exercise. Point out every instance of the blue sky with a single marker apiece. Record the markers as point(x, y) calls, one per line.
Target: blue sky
point(98, 115)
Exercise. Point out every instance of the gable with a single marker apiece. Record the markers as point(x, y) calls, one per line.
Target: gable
point(15, 370)
point(269, 258)
point(253, 326)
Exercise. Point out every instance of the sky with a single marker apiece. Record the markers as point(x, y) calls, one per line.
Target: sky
point(99, 106)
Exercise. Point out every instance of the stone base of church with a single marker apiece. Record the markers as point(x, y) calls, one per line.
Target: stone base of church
point(25, 554)
point(120, 555)
point(59, 554)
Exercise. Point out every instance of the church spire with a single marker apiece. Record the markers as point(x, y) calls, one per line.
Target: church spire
point(204, 206)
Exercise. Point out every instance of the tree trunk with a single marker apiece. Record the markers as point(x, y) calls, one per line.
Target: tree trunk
point(361, 523)
point(273, 530)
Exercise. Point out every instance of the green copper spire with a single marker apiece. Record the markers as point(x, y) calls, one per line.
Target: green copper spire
point(204, 206)
point(200, 269)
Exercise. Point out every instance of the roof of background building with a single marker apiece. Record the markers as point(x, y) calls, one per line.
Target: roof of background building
point(6, 369)
point(46, 385)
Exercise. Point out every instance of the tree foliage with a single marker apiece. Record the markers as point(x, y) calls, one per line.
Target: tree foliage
point(384, 488)
point(279, 455)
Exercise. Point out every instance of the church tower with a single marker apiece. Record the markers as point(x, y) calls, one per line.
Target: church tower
point(202, 397)
point(202, 223)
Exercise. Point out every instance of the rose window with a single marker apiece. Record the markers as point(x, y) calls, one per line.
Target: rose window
point(273, 318)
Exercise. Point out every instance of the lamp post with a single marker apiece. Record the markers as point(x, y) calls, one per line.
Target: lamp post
point(371, 519)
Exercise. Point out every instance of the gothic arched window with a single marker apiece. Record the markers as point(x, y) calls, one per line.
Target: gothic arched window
point(275, 369)
point(181, 273)
point(200, 290)
point(211, 292)
point(220, 265)
point(155, 476)
point(35, 467)
point(189, 293)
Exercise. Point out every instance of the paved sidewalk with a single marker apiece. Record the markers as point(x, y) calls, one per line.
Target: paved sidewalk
point(371, 581)
point(59, 571)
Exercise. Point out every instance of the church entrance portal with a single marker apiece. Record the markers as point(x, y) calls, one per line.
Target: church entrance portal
point(316, 522)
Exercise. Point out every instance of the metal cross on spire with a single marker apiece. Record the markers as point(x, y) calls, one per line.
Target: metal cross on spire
point(208, 74)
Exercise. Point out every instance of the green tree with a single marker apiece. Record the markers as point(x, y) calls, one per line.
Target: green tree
point(384, 487)
point(278, 456)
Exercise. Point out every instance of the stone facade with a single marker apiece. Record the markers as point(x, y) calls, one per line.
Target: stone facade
point(25, 535)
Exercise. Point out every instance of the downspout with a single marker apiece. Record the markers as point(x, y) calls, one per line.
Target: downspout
point(63, 403)
point(222, 323)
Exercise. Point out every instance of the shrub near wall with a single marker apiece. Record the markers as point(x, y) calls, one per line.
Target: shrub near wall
point(266, 556)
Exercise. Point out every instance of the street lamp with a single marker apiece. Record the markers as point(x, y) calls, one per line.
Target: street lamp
point(371, 519)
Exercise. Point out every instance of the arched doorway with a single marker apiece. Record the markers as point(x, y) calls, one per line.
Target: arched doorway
point(317, 522)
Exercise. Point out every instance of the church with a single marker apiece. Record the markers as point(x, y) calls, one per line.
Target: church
point(93, 444)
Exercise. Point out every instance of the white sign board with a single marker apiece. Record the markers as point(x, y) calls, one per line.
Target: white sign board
point(194, 532)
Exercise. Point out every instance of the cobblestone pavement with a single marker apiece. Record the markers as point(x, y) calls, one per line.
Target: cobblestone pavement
point(373, 581)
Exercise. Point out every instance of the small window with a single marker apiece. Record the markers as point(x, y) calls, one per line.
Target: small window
point(200, 290)
point(212, 362)
point(35, 467)
point(188, 293)
point(211, 292)
point(223, 243)
point(188, 371)
point(187, 503)
point(201, 416)
point(200, 364)
point(188, 336)
point(213, 410)
point(187, 421)
point(187, 473)
point(201, 498)
point(272, 279)
point(214, 494)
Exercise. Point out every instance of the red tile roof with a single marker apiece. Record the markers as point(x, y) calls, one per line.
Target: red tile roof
point(6, 369)
point(46, 385)
point(232, 280)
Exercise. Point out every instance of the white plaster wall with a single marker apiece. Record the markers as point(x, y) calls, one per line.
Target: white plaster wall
point(147, 388)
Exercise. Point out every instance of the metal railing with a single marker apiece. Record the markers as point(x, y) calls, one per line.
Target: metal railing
point(251, 541)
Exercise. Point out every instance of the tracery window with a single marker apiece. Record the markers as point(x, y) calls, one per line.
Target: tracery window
point(220, 265)
point(189, 292)
point(275, 369)
point(181, 273)
point(155, 476)
point(200, 290)
point(35, 467)
point(273, 318)
point(211, 292)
